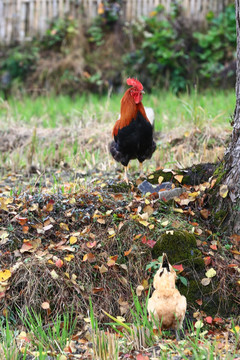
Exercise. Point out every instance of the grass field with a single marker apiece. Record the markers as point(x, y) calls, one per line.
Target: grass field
point(51, 130)
point(170, 110)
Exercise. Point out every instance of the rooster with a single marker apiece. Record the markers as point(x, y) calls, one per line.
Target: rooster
point(132, 132)
point(166, 303)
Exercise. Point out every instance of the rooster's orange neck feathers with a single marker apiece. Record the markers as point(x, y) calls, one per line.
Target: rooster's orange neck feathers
point(129, 110)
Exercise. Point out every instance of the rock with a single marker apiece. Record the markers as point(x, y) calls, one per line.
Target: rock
point(146, 187)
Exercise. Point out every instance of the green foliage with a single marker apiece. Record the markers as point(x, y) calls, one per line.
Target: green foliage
point(20, 61)
point(217, 45)
point(170, 56)
point(61, 31)
point(95, 33)
point(162, 54)
point(54, 335)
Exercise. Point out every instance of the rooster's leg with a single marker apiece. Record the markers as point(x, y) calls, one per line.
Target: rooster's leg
point(141, 168)
point(126, 174)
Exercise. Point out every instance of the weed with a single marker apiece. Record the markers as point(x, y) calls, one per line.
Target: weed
point(53, 336)
point(8, 344)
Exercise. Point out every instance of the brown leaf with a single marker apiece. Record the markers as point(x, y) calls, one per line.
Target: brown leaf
point(103, 269)
point(89, 257)
point(207, 260)
point(21, 220)
point(117, 197)
point(205, 213)
point(101, 221)
point(148, 209)
point(97, 289)
point(27, 246)
point(25, 229)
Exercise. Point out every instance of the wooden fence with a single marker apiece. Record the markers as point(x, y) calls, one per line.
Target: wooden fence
point(20, 20)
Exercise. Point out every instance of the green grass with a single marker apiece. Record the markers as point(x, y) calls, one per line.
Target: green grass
point(76, 131)
point(170, 110)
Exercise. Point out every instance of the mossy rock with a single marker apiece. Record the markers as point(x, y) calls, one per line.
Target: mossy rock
point(119, 187)
point(181, 247)
point(195, 175)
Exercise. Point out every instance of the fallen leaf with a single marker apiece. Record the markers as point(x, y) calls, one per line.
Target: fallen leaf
point(205, 281)
point(111, 262)
point(143, 222)
point(179, 268)
point(178, 210)
point(89, 257)
point(21, 220)
point(218, 320)
point(139, 290)
point(64, 226)
point(4, 275)
point(59, 263)
point(198, 324)
point(207, 260)
point(103, 269)
point(199, 302)
point(208, 319)
point(211, 273)
point(213, 182)
point(69, 257)
point(213, 247)
point(101, 221)
point(142, 357)
point(97, 289)
point(205, 213)
point(151, 243)
point(25, 229)
point(91, 245)
point(160, 179)
point(223, 191)
point(54, 275)
point(26, 246)
point(148, 209)
point(178, 178)
point(126, 253)
point(73, 240)
point(45, 305)
point(236, 329)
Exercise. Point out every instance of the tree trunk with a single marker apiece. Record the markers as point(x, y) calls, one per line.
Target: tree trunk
point(232, 155)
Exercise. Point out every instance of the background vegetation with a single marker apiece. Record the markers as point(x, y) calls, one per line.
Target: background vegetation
point(164, 48)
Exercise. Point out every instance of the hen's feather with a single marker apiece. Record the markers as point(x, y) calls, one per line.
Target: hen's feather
point(166, 303)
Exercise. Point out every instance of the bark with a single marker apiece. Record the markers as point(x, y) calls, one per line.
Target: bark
point(232, 155)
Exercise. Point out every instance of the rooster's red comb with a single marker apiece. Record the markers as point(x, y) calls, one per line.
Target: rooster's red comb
point(135, 83)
